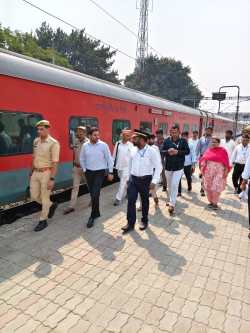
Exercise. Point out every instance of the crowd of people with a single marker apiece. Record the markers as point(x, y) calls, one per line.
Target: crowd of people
point(143, 162)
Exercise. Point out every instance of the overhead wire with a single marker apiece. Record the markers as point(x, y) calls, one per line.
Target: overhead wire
point(121, 23)
point(76, 28)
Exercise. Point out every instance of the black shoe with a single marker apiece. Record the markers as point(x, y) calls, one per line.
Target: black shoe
point(90, 223)
point(52, 210)
point(143, 226)
point(127, 228)
point(117, 202)
point(41, 225)
point(164, 189)
point(189, 189)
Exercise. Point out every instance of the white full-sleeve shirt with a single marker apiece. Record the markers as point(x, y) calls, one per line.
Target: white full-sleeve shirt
point(240, 154)
point(146, 162)
point(246, 173)
point(122, 155)
point(229, 146)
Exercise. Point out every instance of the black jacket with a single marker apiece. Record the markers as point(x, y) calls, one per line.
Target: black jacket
point(175, 162)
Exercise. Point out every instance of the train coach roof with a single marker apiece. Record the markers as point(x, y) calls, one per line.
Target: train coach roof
point(16, 65)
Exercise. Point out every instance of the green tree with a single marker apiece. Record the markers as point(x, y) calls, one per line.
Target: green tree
point(84, 54)
point(26, 44)
point(166, 78)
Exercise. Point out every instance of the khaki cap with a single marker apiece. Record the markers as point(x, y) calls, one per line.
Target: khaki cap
point(43, 123)
point(82, 128)
point(246, 129)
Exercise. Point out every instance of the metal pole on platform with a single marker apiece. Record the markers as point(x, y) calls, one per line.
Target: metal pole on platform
point(237, 107)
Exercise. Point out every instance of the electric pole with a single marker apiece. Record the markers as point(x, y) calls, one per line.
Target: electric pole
point(142, 40)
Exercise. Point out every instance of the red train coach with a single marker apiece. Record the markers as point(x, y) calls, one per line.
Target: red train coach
point(32, 90)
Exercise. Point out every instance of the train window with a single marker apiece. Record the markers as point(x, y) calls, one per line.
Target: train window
point(146, 126)
point(186, 128)
point(194, 127)
point(117, 126)
point(164, 127)
point(17, 132)
point(75, 121)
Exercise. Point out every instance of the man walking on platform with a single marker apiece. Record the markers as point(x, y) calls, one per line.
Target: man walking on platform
point(78, 175)
point(44, 168)
point(176, 148)
point(238, 159)
point(189, 164)
point(153, 191)
point(95, 160)
point(122, 155)
point(159, 143)
point(194, 140)
point(228, 143)
point(203, 144)
point(245, 181)
point(145, 169)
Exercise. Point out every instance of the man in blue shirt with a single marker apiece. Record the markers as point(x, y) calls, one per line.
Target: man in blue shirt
point(95, 160)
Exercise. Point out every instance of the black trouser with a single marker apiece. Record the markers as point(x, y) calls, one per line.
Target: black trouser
point(188, 174)
point(95, 180)
point(236, 177)
point(138, 185)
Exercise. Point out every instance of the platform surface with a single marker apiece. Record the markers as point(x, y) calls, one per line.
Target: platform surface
point(189, 273)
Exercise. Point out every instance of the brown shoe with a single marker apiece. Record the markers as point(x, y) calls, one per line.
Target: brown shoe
point(68, 210)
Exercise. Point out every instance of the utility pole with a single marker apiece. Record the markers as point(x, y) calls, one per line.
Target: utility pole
point(142, 40)
point(237, 106)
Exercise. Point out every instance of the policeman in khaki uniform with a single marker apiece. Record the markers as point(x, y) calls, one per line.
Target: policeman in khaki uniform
point(78, 174)
point(44, 167)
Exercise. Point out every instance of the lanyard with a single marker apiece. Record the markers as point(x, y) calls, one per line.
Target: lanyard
point(142, 152)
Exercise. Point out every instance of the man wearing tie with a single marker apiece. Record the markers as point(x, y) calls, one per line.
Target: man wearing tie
point(144, 173)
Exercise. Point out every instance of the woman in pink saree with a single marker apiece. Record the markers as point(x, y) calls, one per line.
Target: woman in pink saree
point(215, 167)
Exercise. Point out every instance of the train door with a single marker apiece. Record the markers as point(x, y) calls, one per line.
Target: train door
point(202, 122)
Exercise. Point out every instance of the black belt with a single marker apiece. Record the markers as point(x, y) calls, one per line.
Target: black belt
point(141, 178)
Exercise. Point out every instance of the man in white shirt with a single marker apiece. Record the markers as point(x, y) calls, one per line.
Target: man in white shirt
point(238, 159)
point(122, 155)
point(151, 143)
point(194, 140)
point(144, 173)
point(189, 164)
point(228, 143)
point(245, 178)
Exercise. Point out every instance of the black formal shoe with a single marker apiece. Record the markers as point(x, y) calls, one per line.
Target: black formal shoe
point(90, 222)
point(143, 226)
point(127, 228)
point(41, 225)
point(52, 210)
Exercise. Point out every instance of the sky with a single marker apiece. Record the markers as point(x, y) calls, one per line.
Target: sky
point(210, 36)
